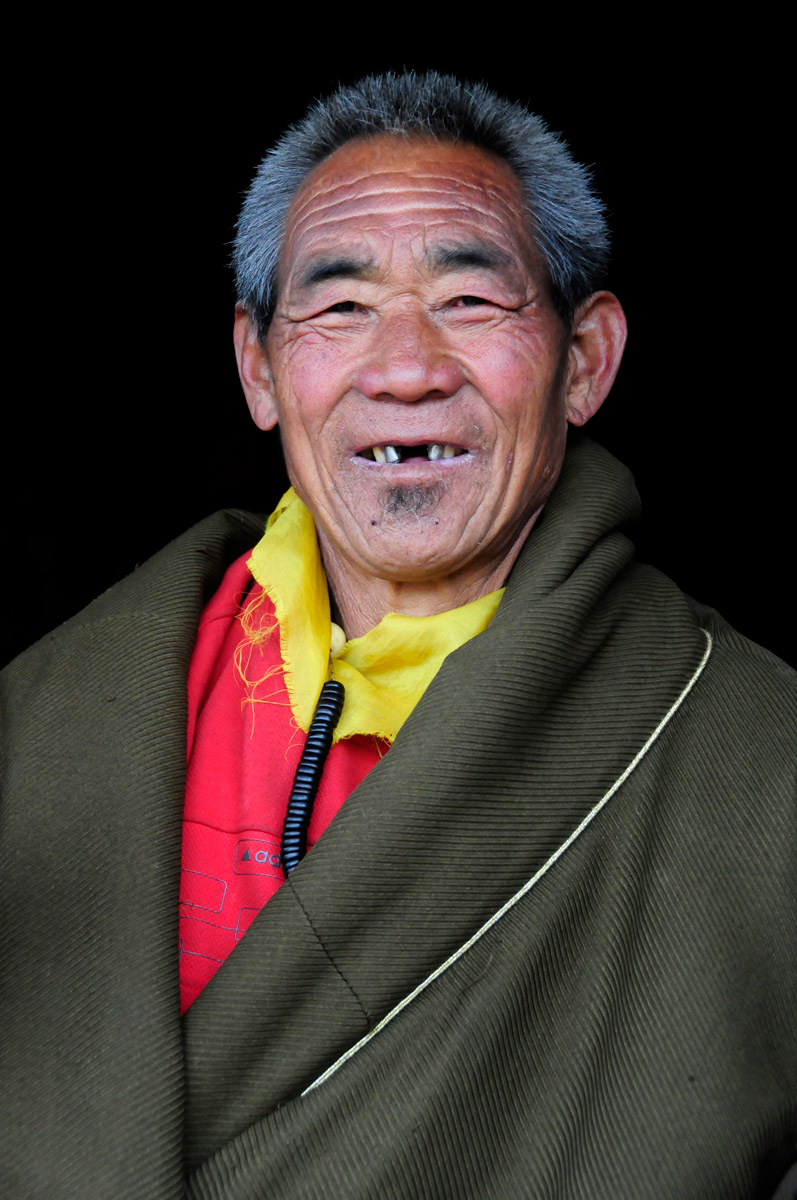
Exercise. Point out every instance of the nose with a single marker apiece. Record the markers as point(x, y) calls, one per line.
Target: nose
point(407, 360)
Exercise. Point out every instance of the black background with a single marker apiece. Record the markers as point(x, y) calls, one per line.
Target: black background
point(131, 148)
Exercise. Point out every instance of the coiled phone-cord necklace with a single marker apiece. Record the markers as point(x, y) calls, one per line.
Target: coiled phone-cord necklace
point(308, 775)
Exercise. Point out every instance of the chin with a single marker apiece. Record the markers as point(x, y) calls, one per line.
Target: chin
point(425, 554)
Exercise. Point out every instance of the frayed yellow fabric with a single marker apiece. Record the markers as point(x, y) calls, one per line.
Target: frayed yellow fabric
point(386, 671)
point(286, 562)
point(257, 632)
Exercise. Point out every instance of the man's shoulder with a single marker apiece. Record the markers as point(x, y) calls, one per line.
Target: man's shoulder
point(737, 656)
point(740, 718)
point(167, 592)
point(107, 689)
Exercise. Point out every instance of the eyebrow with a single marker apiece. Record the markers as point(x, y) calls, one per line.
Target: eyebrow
point(440, 259)
point(342, 267)
point(461, 256)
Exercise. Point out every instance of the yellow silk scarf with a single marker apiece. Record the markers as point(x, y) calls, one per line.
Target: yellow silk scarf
point(386, 671)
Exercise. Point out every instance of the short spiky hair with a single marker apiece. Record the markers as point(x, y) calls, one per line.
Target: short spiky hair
point(566, 216)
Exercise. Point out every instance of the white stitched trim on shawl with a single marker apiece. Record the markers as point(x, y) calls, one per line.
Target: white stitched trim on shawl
point(408, 999)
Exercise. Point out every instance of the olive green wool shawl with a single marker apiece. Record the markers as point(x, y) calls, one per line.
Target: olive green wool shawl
point(546, 949)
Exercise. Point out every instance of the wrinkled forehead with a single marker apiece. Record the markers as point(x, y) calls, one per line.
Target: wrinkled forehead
point(410, 194)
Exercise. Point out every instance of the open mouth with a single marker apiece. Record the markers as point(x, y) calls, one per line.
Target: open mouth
point(430, 451)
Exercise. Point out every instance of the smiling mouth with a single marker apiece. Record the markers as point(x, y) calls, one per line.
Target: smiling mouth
point(390, 453)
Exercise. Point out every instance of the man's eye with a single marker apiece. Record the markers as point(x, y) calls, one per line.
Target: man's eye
point(469, 301)
point(345, 306)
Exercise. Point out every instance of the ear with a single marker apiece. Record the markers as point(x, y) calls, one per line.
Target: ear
point(254, 372)
point(598, 340)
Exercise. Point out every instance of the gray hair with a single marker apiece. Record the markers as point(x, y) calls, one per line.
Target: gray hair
point(567, 218)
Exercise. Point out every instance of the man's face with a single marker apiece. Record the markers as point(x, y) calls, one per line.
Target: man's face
point(416, 366)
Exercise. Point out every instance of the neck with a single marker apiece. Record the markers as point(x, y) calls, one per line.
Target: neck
point(360, 601)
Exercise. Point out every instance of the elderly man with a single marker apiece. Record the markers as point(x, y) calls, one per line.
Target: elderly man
point(524, 928)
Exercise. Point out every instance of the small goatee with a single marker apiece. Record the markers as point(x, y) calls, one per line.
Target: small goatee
point(410, 500)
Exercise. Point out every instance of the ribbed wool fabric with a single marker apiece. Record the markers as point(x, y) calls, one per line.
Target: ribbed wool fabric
point(626, 1029)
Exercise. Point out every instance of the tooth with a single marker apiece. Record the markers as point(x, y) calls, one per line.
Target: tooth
point(434, 451)
point(378, 453)
point(449, 451)
point(391, 454)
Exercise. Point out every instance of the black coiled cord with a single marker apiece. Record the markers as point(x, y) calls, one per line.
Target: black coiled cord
point(308, 775)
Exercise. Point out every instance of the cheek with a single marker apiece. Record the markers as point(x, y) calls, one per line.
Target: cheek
point(313, 365)
point(525, 385)
point(515, 368)
point(308, 380)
